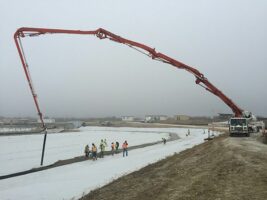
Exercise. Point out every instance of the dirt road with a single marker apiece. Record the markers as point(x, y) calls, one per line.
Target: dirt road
point(224, 168)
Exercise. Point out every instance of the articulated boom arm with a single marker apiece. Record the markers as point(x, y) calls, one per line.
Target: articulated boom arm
point(104, 34)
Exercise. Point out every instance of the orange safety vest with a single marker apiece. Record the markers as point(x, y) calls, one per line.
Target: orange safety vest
point(124, 146)
point(113, 146)
point(94, 149)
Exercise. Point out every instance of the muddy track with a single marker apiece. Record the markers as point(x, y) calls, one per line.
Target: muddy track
point(83, 158)
point(223, 168)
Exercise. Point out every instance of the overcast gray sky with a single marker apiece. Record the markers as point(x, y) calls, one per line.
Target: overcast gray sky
point(82, 76)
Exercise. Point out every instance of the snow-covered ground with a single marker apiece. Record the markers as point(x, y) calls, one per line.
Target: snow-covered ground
point(18, 153)
point(74, 180)
point(16, 130)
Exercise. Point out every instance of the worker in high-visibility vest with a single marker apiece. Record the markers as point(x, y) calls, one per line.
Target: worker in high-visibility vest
point(125, 148)
point(117, 146)
point(94, 151)
point(112, 148)
point(102, 147)
point(86, 151)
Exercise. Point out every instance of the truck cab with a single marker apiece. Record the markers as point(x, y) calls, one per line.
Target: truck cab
point(239, 126)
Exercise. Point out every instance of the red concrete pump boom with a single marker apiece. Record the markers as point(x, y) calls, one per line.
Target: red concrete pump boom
point(104, 34)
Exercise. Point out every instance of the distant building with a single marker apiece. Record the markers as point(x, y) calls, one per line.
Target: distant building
point(17, 121)
point(20, 121)
point(152, 118)
point(163, 117)
point(7, 121)
point(181, 117)
point(105, 123)
point(128, 118)
point(224, 116)
point(47, 120)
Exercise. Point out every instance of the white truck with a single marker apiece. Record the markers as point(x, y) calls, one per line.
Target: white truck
point(239, 126)
point(244, 126)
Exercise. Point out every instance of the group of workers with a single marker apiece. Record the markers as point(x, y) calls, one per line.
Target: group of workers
point(103, 144)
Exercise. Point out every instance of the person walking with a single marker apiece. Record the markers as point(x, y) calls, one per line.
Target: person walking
point(125, 148)
point(94, 152)
point(86, 151)
point(117, 146)
point(102, 148)
point(112, 148)
point(164, 140)
point(105, 142)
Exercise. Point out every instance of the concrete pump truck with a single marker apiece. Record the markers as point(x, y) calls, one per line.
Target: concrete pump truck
point(239, 124)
